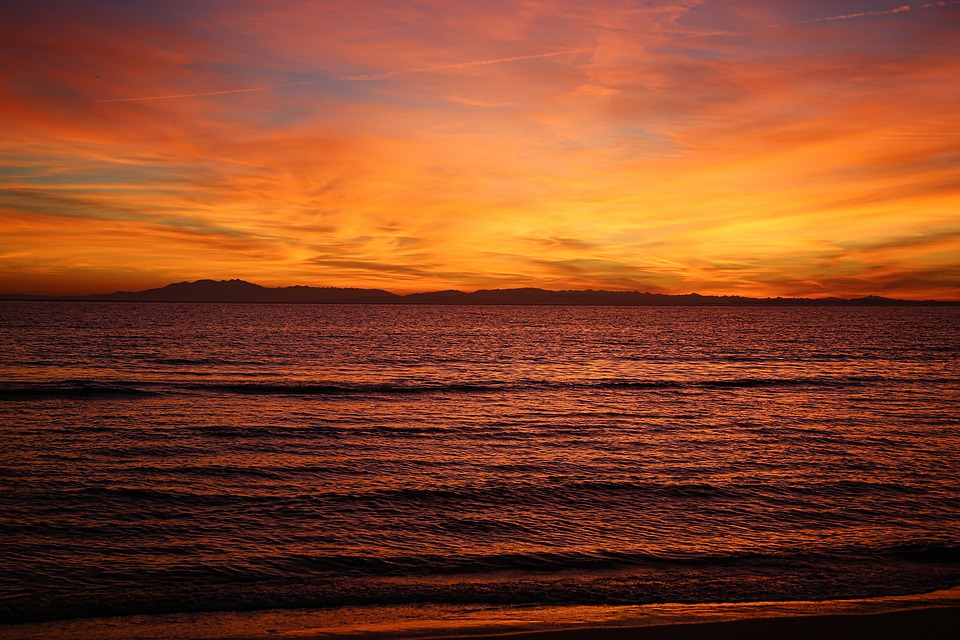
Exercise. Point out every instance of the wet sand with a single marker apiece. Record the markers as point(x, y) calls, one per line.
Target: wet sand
point(915, 624)
point(934, 615)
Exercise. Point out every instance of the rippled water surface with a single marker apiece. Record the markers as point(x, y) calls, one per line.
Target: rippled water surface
point(173, 458)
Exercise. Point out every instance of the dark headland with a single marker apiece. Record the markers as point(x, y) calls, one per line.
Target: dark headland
point(242, 291)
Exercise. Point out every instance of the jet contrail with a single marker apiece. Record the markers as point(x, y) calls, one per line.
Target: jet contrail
point(863, 14)
point(357, 78)
point(477, 63)
point(846, 16)
point(206, 93)
point(460, 65)
point(884, 12)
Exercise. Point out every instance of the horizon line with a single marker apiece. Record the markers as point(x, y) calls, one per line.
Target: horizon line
point(14, 296)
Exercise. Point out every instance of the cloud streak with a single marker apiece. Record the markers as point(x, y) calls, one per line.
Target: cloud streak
point(862, 14)
point(884, 12)
point(360, 78)
point(847, 16)
point(494, 61)
point(462, 65)
point(207, 93)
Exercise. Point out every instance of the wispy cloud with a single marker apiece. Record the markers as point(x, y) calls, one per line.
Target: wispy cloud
point(359, 78)
point(883, 12)
point(207, 93)
point(862, 14)
point(463, 65)
point(847, 16)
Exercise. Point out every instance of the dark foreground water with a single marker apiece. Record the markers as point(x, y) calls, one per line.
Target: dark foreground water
point(165, 458)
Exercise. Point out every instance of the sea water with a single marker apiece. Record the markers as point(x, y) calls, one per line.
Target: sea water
point(179, 458)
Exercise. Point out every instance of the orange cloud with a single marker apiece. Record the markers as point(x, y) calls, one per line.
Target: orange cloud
point(546, 143)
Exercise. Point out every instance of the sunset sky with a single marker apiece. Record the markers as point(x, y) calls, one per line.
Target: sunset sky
point(756, 147)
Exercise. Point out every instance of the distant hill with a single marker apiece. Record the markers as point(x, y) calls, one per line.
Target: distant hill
point(242, 291)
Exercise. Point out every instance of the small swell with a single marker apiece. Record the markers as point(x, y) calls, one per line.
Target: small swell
point(822, 381)
point(191, 361)
point(637, 384)
point(933, 554)
point(567, 493)
point(135, 388)
point(303, 580)
point(72, 389)
point(430, 565)
point(307, 389)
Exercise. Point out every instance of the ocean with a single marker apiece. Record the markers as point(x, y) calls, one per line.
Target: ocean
point(371, 462)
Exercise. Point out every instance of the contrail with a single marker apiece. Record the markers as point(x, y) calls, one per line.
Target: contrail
point(357, 78)
point(846, 16)
point(460, 65)
point(882, 12)
point(477, 63)
point(206, 93)
point(864, 14)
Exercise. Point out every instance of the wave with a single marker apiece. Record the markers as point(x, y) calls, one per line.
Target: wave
point(73, 389)
point(307, 389)
point(548, 578)
point(531, 385)
point(613, 495)
point(194, 361)
point(143, 388)
point(600, 560)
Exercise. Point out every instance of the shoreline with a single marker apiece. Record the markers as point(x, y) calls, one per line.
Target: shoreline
point(928, 622)
point(914, 616)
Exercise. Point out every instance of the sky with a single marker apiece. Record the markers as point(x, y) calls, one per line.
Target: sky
point(759, 148)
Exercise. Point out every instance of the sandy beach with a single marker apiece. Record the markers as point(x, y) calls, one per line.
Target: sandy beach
point(916, 623)
point(932, 615)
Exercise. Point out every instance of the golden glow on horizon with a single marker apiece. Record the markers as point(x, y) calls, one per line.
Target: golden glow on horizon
point(750, 148)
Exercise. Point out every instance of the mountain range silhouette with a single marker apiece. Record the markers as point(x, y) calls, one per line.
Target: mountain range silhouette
point(242, 291)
